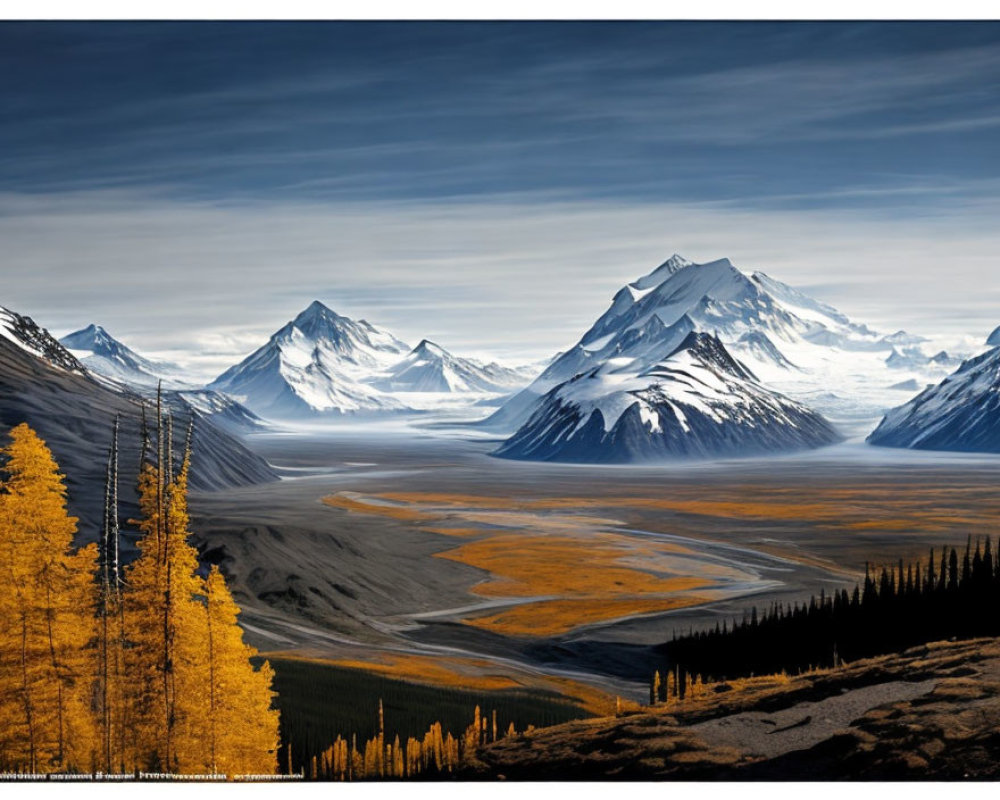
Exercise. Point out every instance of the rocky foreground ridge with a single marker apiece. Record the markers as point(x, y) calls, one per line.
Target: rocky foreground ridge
point(930, 713)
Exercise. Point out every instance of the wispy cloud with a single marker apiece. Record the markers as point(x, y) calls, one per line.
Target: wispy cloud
point(426, 111)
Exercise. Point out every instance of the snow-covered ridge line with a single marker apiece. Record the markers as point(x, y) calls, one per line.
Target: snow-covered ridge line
point(105, 355)
point(32, 338)
point(961, 413)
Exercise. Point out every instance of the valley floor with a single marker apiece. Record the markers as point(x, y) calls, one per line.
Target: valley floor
point(420, 555)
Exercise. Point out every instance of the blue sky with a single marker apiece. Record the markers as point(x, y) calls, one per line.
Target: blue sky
point(419, 173)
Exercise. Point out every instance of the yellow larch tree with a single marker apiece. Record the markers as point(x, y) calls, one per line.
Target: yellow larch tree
point(163, 610)
point(242, 735)
point(47, 618)
point(198, 705)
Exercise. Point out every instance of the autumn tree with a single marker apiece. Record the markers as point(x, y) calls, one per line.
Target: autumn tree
point(47, 618)
point(198, 705)
point(242, 728)
point(164, 621)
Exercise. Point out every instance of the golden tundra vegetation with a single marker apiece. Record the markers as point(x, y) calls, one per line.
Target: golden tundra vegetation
point(113, 670)
point(545, 577)
point(537, 563)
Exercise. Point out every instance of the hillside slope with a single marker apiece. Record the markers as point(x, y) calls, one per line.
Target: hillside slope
point(931, 713)
point(42, 384)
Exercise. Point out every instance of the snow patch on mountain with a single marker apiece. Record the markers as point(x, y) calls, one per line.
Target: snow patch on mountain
point(27, 335)
point(431, 368)
point(221, 409)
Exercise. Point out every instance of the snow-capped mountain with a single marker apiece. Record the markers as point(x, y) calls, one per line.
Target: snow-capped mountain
point(316, 364)
point(101, 353)
point(961, 413)
point(431, 368)
point(698, 401)
point(915, 358)
point(800, 346)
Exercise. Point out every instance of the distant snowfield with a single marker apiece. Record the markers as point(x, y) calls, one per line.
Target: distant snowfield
point(444, 431)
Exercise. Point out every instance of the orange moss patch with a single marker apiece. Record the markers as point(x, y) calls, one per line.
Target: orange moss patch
point(348, 503)
point(882, 525)
point(532, 566)
point(553, 617)
point(580, 573)
point(463, 532)
point(455, 673)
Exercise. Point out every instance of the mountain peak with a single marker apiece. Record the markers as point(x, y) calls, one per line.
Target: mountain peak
point(93, 337)
point(677, 261)
point(427, 346)
point(669, 267)
point(318, 363)
point(316, 309)
point(103, 354)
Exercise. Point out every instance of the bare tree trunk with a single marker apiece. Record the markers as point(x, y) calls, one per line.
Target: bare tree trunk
point(162, 538)
point(54, 661)
point(103, 609)
point(114, 532)
point(211, 681)
point(29, 715)
point(125, 717)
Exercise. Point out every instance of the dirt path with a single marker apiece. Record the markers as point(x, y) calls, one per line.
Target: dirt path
point(803, 725)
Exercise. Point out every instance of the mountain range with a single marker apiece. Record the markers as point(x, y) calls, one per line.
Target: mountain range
point(689, 359)
point(962, 413)
point(428, 367)
point(104, 355)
